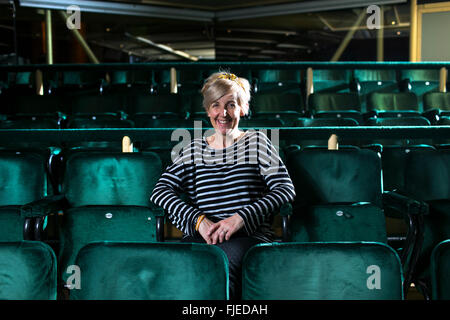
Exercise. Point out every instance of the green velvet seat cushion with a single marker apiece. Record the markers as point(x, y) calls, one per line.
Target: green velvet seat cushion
point(399, 121)
point(427, 173)
point(440, 265)
point(27, 271)
point(278, 103)
point(329, 80)
point(80, 226)
point(160, 104)
point(22, 178)
point(394, 159)
point(335, 176)
point(152, 271)
point(401, 101)
point(361, 222)
point(322, 271)
point(319, 102)
point(436, 100)
point(108, 178)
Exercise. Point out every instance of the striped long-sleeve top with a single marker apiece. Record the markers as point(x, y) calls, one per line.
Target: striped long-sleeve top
point(247, 178)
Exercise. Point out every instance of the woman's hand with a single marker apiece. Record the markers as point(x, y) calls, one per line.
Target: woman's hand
point(224, 229)
point(204, 228)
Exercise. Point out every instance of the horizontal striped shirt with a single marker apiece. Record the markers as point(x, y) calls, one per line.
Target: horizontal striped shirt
point(247, 178)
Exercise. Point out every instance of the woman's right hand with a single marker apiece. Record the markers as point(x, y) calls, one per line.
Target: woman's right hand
point(204, 230)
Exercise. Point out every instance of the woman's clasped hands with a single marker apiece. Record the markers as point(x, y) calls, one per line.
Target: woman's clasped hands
point(220, 231)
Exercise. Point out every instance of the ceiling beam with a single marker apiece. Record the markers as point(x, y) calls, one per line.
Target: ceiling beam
point(297, 7)
point(122, 9)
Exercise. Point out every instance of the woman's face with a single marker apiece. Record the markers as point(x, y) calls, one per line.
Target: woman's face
point(225, 113)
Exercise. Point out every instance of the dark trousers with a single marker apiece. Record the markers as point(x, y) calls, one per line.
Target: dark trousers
point(235, 249)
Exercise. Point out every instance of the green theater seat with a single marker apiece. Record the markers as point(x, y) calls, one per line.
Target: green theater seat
point(21, 83)
point(436, 105)
point(100, 105)
point(400, 104)
point(399, 121)
point(23, 179)
point(339, 195)
point(163, 105)
point(427, 176)
point(277, 80)
point(27, 271)
point(335, 105)
point(132, 81)
point(107, 200)
point(332, 80)
point(74, 82)
point(151, 271)
point(34, 107)
point(286, 106)
point(440, 266)
point(375, 80)
point(420, 81)
point(322, 271)
point(340, 198)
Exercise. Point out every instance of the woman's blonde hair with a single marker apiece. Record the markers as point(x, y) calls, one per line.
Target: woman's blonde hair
point(219, 84)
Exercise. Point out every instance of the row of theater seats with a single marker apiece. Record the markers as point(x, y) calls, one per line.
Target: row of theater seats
point(270, 109)
point(362, 80)
point(345, 200)
point(283, 89)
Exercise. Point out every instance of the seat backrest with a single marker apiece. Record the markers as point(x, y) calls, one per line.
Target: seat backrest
point(322, 271)
point(440, 278)
point(335, 176)
point(152, 271)
point(334, 102)
point(274, 103)
point(22, 178)
point(398, 121)
point(108, 178)
point(389, 101)
point(427, 174)
point(278, 80)
point(331, 80)
point(325, 122)
point(27, 271)
point(97, 104)
point(394, 159)
point(166, 104)
point(436, 100)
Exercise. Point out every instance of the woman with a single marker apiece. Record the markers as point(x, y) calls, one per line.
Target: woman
point(234, 180)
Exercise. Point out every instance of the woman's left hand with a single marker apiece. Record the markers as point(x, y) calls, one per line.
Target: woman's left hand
point(224, 229)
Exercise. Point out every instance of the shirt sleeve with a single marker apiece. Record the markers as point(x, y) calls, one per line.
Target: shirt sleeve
point(276, 177)
point(167, 191)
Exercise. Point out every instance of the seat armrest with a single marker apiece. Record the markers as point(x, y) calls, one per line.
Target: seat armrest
point(285, 213)
point(43, 207)
point(404, 204)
